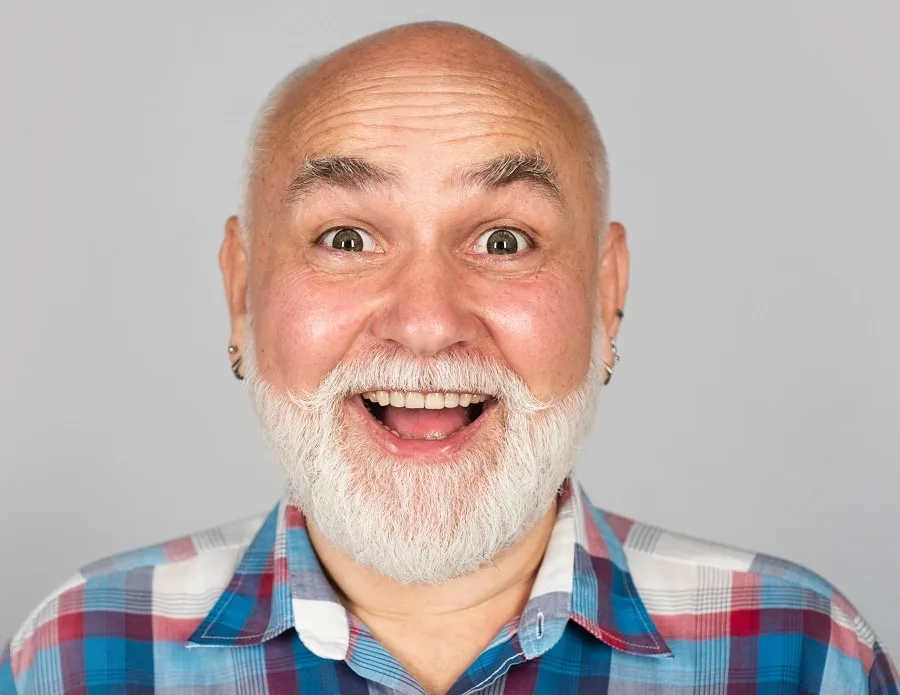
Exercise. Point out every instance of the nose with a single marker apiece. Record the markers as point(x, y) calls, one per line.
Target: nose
point(425, 309)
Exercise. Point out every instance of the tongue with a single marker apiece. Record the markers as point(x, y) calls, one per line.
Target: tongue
point(421, 423)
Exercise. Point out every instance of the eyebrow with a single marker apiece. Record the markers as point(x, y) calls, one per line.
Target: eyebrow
point(357, 174)
point(351, 173)
point(507, 169)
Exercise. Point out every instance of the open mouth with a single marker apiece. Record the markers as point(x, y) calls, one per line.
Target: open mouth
point(425, 416)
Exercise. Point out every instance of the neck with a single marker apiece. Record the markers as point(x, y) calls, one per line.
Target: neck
point(437, 630)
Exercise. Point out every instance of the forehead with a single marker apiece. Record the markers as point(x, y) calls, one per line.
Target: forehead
point(423, 119)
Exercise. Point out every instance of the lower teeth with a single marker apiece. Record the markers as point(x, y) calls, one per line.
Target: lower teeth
point(431, 437)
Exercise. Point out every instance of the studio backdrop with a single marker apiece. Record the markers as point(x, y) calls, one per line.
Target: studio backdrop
point(754, 151)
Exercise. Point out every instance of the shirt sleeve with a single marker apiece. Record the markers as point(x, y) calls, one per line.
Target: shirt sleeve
point(883, 677)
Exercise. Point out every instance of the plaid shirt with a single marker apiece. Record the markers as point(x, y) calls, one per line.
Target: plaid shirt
point(617, 607)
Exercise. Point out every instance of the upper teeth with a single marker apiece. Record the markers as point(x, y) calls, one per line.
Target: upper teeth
point(432, 401)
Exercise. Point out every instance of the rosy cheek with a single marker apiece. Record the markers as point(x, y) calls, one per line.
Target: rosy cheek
point(305, 325)
point(542, 328)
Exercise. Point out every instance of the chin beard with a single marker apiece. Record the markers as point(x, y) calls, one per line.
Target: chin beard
point(432, 522)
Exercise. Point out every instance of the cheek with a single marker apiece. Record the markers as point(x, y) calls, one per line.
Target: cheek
point(542, 327)
point(305, 324)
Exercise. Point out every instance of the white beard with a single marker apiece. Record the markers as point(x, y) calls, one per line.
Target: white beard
point(432, 522)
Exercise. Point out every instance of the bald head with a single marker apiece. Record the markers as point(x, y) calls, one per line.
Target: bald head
point(443, 51)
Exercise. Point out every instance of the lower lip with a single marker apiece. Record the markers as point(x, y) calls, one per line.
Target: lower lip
point(419, 448)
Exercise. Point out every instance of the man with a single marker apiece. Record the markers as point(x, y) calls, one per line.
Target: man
point(424, 293)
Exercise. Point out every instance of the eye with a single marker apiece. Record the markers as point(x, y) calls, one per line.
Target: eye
point(502, 242)
point(348, 239)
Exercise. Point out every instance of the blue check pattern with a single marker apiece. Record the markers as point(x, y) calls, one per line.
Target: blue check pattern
point(617, 607)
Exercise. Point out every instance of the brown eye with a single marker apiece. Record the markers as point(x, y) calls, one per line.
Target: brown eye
point(501, 242)
point(349, 239)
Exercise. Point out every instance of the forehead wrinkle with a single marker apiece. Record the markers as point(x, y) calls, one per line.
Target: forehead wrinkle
point(477, 87)
point(472, 107)
point(322, 98)
point(514, 97)
point(329, 128)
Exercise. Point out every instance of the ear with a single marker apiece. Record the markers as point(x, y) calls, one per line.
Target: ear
point(613, 278)
point(233, 262)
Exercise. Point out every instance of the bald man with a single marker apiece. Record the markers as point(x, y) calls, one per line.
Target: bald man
point(424, 291)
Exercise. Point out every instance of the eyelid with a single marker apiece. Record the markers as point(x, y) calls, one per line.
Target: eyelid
point(518, 233)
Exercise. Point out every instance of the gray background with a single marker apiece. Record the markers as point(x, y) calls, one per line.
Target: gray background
point(755, 156)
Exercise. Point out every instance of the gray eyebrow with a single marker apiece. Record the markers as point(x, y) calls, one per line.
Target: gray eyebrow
point(352, 173)
point(355, 173)
point(507, 169)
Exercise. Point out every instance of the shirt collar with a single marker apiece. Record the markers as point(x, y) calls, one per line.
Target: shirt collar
point(280, 584)
point(605, 600)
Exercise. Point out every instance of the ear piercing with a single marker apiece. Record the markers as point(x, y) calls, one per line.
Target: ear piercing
point(232, 349)
point(615, 351)
point(609, 368)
